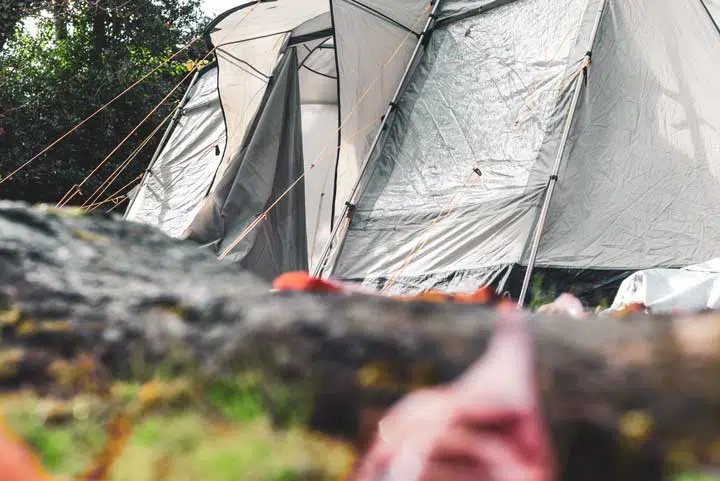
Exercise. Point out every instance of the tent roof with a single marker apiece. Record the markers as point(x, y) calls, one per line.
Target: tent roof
point(262, 18)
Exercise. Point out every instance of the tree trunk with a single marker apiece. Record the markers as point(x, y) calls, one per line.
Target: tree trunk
point(60, 19)
point(99, 16)
point(647, 387)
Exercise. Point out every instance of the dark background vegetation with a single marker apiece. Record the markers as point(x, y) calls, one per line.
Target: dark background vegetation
point(78, 55)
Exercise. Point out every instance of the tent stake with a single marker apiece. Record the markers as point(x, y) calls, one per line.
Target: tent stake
point(383, 125)
point(164, 140)
point(552, 181)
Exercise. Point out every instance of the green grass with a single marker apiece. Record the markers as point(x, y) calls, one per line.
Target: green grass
point(697, 477)
point(240, 444)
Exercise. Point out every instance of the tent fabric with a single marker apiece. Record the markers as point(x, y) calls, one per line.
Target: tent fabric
point(403, 13)
point(318, 25)
point(270, 162)
point(642, 171)
point(370, 71)
point(455, 186)
point(319, 106)
point(260, 19)
point(489, 94)
point(319, 125)
point(456, 8)
point(318, 76)
point(171, 193)
point(245, 69)
point(266, 106)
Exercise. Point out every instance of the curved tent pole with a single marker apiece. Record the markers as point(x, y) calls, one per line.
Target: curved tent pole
point(712, 19)
point(339, 129)
point(552, 181)
point(473, 12)
point(165, 137)
point(324, 256)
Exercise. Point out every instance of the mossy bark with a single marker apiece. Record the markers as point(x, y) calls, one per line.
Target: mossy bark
point(77, 288)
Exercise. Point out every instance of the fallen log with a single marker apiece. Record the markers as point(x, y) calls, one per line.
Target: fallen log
point(74, 285)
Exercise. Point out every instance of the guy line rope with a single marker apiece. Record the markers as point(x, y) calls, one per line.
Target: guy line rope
point(96, 202)
point(114, 176)
point(76, 188)
point(115, 196)
point(91, 116)
point(263, 216)
point(106, 105)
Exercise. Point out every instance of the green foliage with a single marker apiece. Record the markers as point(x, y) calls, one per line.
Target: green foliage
point(698, 477)
point(55, 444)
point(76, 56)
point(245, 397)
point(237, 399)
point(541, 294)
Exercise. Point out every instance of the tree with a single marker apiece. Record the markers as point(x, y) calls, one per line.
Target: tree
point(11, 12)
point(79, 55)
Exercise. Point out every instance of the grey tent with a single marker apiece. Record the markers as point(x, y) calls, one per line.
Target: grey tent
point(480, 141)
point(578, 137)
point(265, 113)
point(248, 121)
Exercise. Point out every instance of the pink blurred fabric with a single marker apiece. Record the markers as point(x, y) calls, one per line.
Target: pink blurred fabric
point(485, 426)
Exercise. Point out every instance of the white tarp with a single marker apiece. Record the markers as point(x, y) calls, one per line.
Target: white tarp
point(692, 288)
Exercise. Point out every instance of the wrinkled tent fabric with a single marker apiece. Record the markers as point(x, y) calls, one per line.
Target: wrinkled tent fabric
point(373, 48)
point(453, 193)
point(270, 161)
point(170, 196)
point(249, 40)
point(488, 94)
point(642, 172)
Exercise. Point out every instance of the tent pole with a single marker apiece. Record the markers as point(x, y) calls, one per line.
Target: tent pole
point(163, 141)
point(393, 103)
point(550, 189)
point(558, 159)
point(712, 19)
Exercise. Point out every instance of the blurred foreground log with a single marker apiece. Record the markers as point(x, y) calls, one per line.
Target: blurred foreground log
point(112, 291)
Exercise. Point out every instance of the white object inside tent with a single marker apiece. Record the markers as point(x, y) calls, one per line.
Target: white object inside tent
point(691, 288)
